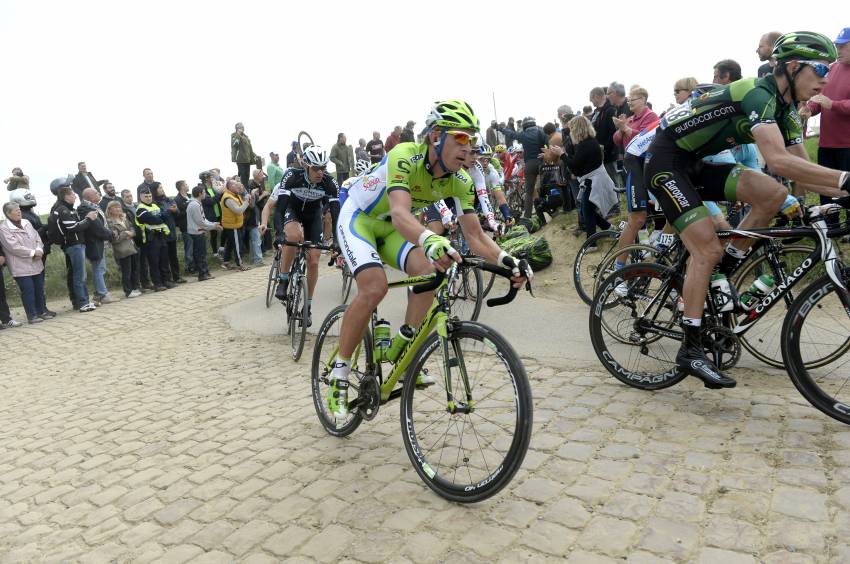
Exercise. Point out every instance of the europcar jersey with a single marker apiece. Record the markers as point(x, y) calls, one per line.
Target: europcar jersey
point(726, 117)
point(405, 168)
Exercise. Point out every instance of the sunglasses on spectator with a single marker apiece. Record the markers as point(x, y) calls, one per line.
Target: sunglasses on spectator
point(820, 68)
point(463, 137)
point(630, 100)
point(318, 168)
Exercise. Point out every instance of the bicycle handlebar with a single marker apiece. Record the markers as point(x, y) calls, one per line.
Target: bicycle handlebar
point(306, 245)
point(474, 263)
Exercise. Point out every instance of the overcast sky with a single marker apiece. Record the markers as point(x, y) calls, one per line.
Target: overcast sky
point(158, 84)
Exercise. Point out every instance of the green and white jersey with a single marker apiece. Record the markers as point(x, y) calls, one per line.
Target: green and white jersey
point(406, 168)
point(726, 117)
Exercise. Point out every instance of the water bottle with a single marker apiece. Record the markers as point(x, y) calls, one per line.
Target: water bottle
point(721, 292)
point(382, 339)
point(404, 335)
point(762, 286)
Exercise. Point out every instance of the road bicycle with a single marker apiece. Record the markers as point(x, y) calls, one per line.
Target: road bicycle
point(339, 263)
point(274, 278)
point(296, 302)
point(636, 335)
point(467, 434)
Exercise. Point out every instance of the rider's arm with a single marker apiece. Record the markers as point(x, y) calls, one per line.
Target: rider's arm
point(782, 162)
point(480, 244)
point(267, 210)
point(446, 215)
point(332, 194)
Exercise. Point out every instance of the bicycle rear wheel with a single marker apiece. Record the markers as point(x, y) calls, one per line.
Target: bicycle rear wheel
point(631, 320)
point(466, 294)
point(763, 339)
point(271, 288)
point(298, 318)
point(471, 454)
point(589, 258)
point(324, 354)
point(818, 326)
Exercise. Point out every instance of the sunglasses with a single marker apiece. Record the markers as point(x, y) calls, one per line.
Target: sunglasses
point(463, 137)
point(318, 168)
point(820, 68)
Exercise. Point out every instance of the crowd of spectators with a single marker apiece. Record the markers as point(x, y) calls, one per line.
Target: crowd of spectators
point(576, 162)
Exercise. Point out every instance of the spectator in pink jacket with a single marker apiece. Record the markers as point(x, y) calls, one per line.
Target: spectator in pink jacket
point(637, 196)
point(833, 105)
point(23, 249)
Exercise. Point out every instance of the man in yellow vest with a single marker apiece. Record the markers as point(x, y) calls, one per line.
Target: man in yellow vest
point(154, 232)
point(234, 202)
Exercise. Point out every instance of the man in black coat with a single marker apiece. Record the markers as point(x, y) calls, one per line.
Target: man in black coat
point(96, 236)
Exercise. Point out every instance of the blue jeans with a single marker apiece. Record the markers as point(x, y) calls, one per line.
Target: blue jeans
point(98, 268)
point(77, 256)
point(32, 294)
point(254, 243)
point(188, 251)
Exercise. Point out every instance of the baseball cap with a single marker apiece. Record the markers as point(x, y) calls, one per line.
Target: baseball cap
point(295, 143)
point(843, 36)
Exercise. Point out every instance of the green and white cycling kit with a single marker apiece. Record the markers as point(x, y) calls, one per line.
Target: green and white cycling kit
point(484, 181)
point(366, 233)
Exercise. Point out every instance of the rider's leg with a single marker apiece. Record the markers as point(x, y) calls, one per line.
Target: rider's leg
point(371, 289)
point(294, 234)
point(765, 195)
point(705, 250)
point(313, 256)
point(637, 219)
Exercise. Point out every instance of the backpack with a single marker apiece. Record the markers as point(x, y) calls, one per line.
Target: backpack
point(54, 235)
point(535, 250)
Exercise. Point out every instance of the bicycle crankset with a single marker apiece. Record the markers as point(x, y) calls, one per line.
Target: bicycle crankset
point(369, 398)
point(721, 345)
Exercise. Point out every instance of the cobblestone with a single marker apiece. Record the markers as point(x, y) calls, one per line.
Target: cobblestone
point(156, 455)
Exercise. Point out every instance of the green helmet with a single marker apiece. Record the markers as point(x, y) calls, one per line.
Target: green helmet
point(806, 45)
point(452, 113)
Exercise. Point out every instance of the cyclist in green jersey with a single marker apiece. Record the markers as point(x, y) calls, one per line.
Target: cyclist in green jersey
point(761, 110)
point(377, 227)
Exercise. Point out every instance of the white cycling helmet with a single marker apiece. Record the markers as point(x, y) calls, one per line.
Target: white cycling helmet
point(361, 166)
point(23, 197)
point(315, 156)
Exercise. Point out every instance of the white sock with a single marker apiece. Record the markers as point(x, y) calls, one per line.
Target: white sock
point(692, 321)
point(342, 367)
point(735, 252)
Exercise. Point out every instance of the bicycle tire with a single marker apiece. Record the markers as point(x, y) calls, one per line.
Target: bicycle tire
point(319, 375)
point(271, 288)
point(415, 431)
point(763, 339)
point(811, 382)
point(303, 137)
point(637, 277)
point(470, 293)
point(347, 280)
point(639, 252)
point(298, 319)
point(585, 269)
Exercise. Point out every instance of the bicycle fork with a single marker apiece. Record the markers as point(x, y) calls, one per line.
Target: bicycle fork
point(453, 358)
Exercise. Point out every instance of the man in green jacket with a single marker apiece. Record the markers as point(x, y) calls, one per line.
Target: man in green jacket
point(241, 152)
point(274, 172)
point(342, 156)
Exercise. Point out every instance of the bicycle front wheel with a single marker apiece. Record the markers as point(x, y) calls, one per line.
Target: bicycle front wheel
point(466, 294)
point(271, 288)
point(298, 318)
point(324, 355)
point(589, 259)
point(469, 448)
point(762, 340)
point(818, 327)
point(631, 318)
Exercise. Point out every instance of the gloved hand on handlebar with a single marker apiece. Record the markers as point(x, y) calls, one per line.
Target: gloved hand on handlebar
point(437, 247)
point(520, 268)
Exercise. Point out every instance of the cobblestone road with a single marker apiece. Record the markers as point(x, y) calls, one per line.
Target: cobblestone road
point(150, 431)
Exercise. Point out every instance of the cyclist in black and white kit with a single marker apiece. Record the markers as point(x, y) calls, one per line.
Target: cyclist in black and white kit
point(298, 202)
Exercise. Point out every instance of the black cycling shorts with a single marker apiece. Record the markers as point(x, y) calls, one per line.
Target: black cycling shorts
point(310, 218)
point(637, 198)
point(680, 181)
